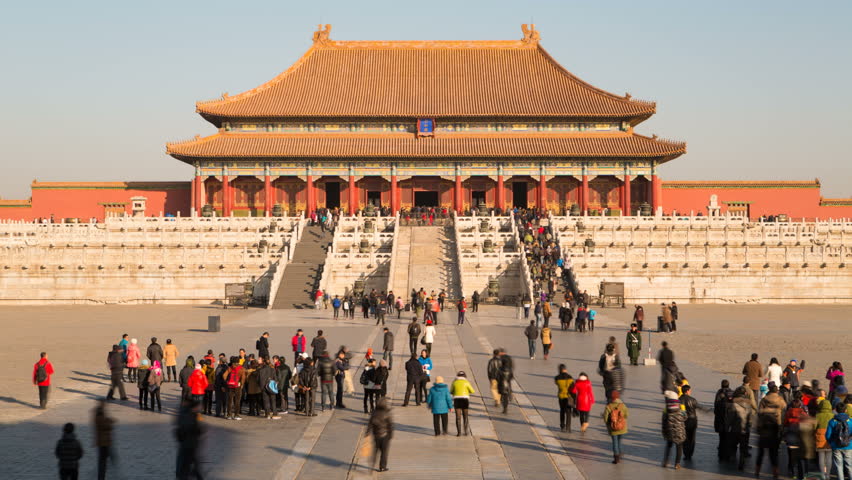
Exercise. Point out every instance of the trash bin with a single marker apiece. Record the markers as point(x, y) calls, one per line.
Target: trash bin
point(214, 323)
point(660, 323)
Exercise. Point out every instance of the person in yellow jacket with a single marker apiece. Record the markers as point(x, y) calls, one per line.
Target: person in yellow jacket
point(461, 390)
point(170, 356)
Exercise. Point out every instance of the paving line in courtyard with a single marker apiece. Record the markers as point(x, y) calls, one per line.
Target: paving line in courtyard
point(557, 454)
point(292, 466)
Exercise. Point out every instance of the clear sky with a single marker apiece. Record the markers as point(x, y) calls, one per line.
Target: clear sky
point(93, 90)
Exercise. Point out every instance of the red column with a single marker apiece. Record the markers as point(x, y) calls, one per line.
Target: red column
point(193, 199)
point(352, 196)
point(542, 191)
point(394, 194)
point(457, 195)
point(656, 193)
point(501, 194)
point(199, 194)
point(267, 195)
point(310, 205)
point(626, 201)
point(227, 203)
point(584, 194)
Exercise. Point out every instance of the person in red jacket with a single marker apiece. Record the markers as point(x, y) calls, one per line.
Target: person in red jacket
point(42, 370)
point(582, 390)
point(298, 342)
point(197, 384)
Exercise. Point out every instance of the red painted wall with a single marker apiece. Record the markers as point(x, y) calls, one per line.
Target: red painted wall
point(84, 199)
point(767, 198)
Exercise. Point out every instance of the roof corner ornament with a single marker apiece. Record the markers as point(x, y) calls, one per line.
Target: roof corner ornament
point(322, 33)
point(531, 35)
point(225, 95)
point(627, 96)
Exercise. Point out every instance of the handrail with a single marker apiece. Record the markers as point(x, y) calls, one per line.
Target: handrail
point(394, 251)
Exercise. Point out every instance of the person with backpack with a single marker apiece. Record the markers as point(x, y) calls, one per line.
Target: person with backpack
point(142, 383)
point(838, 434)
point(235, 378)
point(68, 451)
point(413, 335)
point(269, 388)
point(220, 387)
point(42, 370)
point(262, 346)
point(564, 382)
point(615, 418)
point(791, 374)
point(366, 380)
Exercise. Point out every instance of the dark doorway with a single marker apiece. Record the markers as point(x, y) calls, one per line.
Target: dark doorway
point(478, 198)
point(332, 194)
point(374, 199)
point(425, 199)
point(519, 194)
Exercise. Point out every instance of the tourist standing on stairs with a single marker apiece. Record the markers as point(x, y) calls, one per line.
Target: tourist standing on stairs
point(531, 332)
point(429, 337)
point(387, 348)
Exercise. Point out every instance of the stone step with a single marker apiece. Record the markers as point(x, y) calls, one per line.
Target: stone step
point(302, 273)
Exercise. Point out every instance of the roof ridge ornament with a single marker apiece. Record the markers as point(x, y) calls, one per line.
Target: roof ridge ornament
point(321, 34)
point(531, 35)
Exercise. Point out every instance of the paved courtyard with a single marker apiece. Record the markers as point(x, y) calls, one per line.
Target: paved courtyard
point(525, 443)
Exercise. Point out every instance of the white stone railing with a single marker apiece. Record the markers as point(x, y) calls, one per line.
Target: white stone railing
point(526, 276)
point(455, 230)
point(394, 243)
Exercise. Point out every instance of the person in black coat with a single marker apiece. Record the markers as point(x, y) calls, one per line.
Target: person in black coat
point(720, 408)
point(188, 432)
point(115, 360)
point(263, 346)
point(68, 451)
point(413, 377)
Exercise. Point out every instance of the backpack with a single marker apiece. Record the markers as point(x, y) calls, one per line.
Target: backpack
point(364, 380)
point(234, 379)
point(494, 368)
point(272, 386)
point(41, 373)
point(840, 434)
point(617, 421)
point(257, 344)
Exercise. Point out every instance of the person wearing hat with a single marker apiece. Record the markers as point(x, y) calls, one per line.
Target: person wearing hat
point(615, 418)
point(840, 394)
point(197, 384)
point(440, 402)
point(634, 344)
point(141, 377)
point(461, 390)
point(428, 337)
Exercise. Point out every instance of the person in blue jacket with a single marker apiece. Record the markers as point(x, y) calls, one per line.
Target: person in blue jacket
point(441, 403)
point(842, 454)
point(426, 363)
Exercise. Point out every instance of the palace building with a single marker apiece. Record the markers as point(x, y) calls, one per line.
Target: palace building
point(398, 124)
point(451, 124)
